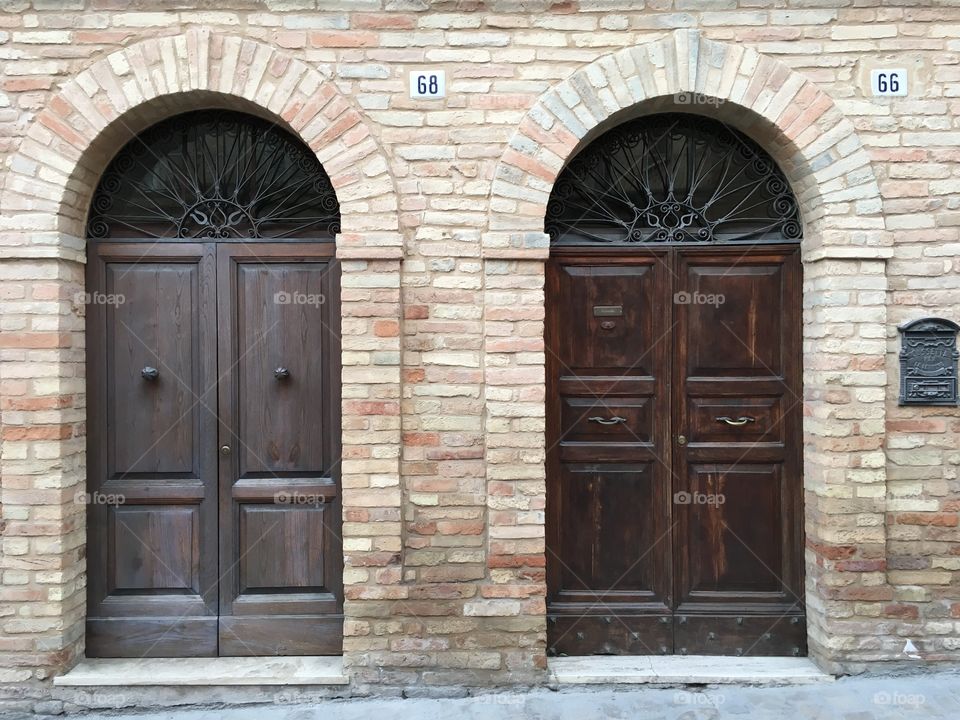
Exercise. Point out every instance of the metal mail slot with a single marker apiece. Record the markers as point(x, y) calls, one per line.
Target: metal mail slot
point(607, 310)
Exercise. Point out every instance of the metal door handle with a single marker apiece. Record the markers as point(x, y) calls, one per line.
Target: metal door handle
point(742, 420)
point(149, 373)
point(281, 373)
point(608, 421)
point(224, 449)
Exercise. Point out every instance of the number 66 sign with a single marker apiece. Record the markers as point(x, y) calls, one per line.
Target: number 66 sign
point(888, 83)
point(427, 84)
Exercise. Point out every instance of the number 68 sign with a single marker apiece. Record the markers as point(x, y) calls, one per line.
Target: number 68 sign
point(889, 82)
point(428, 84)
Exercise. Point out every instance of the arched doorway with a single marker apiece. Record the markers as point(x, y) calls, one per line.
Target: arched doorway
point(214, 395)
point(674, 402)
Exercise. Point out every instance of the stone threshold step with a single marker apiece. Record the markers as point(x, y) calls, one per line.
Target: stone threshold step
point(684, 669)
point(110, 672)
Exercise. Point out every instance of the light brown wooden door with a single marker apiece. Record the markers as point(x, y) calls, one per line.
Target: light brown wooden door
point(674, 487)
point(213, 450)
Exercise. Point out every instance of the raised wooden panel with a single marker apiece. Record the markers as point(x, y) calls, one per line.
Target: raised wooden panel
point(155, 547)
point(153, 422)
point(281, 547)
point(735, 522)
point(612, 518)
point(734, 319)
point(611, 419)
point(608, 316)
point(281, 319)
point(736, 420)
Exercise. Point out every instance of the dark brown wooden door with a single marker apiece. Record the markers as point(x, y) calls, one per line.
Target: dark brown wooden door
point(152, 457)
point(674, 437)
point(281, 558)
point(213, 476)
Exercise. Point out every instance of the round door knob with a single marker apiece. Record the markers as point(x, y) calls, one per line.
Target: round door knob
point(224, 449)
point(149, 373)
point(281, 373)
point(681, 439)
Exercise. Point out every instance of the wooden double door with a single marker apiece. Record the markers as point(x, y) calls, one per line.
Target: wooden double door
point(213, 453)
point(674, 482)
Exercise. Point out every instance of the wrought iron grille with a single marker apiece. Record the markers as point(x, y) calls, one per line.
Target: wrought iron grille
point(214, 175)
point(672, 178)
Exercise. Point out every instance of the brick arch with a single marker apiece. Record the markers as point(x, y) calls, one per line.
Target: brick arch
point(44, 201)
point(799, 124)
point(53, 174)
point(845, 247)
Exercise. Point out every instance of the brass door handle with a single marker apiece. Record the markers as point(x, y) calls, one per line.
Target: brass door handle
point(742, 420)
point(608, 421)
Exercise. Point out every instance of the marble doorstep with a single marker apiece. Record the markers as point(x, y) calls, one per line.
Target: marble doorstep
point(105, 672)
point(684, 669)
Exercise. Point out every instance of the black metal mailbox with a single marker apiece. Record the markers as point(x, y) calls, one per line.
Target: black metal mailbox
point(928, 362)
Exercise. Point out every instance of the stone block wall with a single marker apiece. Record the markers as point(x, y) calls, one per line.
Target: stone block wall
point(442, 254)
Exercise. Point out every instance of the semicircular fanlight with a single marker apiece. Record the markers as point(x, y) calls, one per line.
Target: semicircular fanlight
point(214, 175)
point(672, 178)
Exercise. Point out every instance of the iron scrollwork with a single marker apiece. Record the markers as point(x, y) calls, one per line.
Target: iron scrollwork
point(672, 178)
point(214, 175)
point(928, 362)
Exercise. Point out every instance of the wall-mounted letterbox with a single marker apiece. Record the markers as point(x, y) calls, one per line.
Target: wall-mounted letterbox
point(928, 362)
